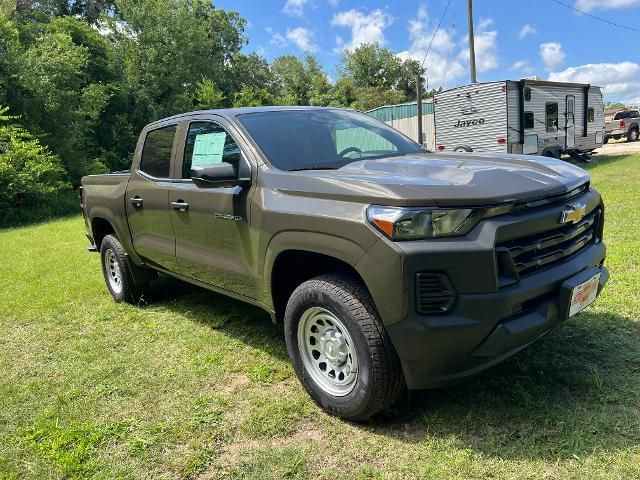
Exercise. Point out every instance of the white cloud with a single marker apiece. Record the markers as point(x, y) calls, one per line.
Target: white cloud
point(365, 28)
point(295, 8)
point(334, 3)
point(552, 55)
point(441, 64)
point(522, 67)
point(588, 5)
point(302, 38)
point(485, 45)
point(527, 30)
point(276, 39)
point(619, 80)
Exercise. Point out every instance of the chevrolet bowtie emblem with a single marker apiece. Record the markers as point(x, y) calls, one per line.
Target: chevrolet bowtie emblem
point(573, 213)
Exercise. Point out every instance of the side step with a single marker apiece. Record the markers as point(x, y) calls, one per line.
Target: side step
point(579, 156)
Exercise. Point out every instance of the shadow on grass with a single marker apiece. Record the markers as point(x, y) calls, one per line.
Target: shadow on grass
point(237, 319)
point(604, 159)
point(574, 391)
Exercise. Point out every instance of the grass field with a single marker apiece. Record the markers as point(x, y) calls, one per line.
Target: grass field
point(196, 385)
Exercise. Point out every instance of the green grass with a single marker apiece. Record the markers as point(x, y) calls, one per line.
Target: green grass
point(196, 385)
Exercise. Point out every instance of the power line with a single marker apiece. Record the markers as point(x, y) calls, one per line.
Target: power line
point(446, 65)
point(436, 32)
point(595, 17)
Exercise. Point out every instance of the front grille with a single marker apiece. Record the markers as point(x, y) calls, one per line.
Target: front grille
point(535, 252)
point(434, 293)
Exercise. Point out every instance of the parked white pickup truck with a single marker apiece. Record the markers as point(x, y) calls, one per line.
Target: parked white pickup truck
point(625, 123)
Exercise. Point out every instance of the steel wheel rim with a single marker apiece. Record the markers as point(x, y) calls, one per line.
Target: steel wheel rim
point(114, 274)
point(327, 351)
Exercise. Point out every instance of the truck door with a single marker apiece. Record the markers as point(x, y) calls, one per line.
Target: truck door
point(147, 199)
point(570, 124)
point(211, 222)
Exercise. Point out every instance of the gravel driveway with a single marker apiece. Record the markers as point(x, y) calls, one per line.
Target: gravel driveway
point(619, 147)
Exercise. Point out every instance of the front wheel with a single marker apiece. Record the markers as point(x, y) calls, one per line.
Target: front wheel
point(340, 349)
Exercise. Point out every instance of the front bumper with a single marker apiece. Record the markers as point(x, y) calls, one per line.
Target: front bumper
point(439, 349)
point(490, 319)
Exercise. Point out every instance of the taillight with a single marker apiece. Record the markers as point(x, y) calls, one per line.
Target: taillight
point(621, 123)
point(440, 147)
point(502, 140)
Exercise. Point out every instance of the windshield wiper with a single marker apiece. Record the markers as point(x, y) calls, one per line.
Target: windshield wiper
point(312, 167)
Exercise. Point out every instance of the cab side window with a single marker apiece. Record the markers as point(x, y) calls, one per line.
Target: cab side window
point(208, 143)
point(156, 153)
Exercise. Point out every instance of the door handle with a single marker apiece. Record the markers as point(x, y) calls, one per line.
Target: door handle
point(180, 206)
point(136, 201)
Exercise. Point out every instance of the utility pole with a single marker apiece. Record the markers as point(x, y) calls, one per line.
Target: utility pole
point(472, 49)
point(419, 103)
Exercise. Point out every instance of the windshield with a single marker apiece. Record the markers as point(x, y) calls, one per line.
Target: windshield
point(322, 139)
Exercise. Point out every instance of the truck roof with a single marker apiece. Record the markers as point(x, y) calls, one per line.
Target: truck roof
point(232, 112)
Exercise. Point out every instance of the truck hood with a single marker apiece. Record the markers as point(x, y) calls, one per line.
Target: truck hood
point(441, 179)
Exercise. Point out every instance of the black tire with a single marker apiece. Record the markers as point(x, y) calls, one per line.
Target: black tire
point(606, 140)
point(463, 148)
point(379, 380)
point(131, 291)
point(632, 135)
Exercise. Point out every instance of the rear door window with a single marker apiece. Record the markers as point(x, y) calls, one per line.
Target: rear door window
point(156, 154)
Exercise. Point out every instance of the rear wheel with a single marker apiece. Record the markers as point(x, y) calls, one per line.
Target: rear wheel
point(119, 274)
point(340, 349)
point(632, 136)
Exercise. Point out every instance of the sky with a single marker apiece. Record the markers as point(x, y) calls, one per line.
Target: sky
point(513, 38)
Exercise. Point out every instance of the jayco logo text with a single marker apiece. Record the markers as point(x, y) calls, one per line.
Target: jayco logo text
point(468, 123)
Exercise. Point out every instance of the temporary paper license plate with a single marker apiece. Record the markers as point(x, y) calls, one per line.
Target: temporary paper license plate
point(584, 294)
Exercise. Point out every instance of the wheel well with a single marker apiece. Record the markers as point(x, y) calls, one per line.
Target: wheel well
point(100, 228)
point(293, 267)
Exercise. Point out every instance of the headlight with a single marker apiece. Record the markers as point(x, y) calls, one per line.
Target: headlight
point(421, 223)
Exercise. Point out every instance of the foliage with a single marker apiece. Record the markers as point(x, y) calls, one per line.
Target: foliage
point(252, 97)
point(30, 175)
point(208, 95)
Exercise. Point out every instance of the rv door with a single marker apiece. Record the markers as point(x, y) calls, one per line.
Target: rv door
point(570, 123)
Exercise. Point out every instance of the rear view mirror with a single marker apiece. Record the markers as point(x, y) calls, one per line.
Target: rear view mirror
point(216, 175)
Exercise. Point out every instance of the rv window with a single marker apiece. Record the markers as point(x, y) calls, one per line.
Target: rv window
point(527, 94)
point(552, 117)
point(528, 120)
point(590, 115)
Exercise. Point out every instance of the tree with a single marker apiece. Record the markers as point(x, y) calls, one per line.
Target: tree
point(30, 175)
point(249, 71)
point(371, 65)
point(300, 81)
point(252, 97)
point(208, 95)
point(166, 47)
point(368, 98)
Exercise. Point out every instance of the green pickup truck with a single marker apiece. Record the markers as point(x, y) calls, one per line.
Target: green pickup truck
point(389, 267)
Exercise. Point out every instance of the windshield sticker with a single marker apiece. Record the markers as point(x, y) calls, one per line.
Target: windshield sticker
point(208, 148)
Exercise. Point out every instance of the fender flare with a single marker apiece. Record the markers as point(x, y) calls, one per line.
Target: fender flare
point(327, 244)
point(121, 231)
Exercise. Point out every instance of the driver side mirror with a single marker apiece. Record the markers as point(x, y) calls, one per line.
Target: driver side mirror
point(217, 175)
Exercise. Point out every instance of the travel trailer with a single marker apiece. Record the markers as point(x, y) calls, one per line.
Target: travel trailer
point(528, 116)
